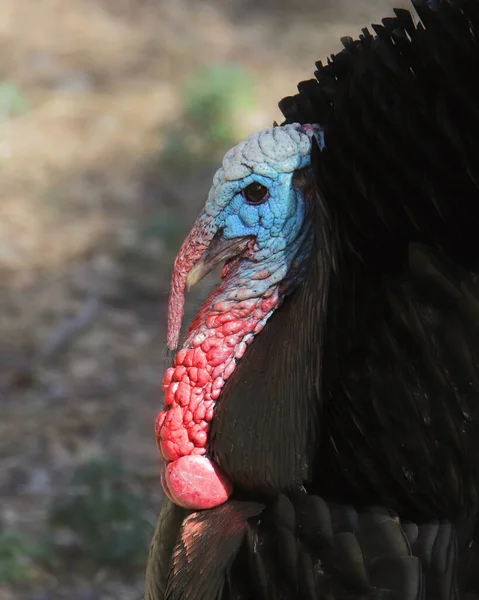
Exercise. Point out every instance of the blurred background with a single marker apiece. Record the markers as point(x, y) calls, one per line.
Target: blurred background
point(114, 115)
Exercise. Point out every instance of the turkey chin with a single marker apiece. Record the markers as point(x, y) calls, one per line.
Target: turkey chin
point(250, 290)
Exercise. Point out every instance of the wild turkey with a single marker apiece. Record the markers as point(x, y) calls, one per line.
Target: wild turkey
point(324, 407)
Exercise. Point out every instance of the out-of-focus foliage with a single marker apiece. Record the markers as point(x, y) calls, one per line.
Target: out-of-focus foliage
point(107, 519)
point(214, 96)
point(213, 102)
point(16, 554)
point(12, 100)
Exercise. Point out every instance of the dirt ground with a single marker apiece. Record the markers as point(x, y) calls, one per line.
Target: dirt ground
point(93, 206)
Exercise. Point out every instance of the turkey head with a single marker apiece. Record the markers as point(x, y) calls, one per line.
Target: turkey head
point(257, 222)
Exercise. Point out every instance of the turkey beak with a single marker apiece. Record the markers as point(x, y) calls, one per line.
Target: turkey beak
point(219, 251)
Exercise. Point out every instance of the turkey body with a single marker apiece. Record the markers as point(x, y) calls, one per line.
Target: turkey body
point(350, 425)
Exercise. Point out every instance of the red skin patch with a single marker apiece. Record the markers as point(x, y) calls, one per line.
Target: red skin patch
point(217, 338)
point(215, 342)
point(196, 482)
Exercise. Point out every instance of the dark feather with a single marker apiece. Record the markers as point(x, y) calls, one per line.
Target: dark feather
point(161, 549)
point(298, 547)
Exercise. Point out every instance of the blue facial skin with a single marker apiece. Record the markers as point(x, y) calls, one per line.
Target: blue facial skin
point(279, 216)
point(279, 225)
point(274, 223)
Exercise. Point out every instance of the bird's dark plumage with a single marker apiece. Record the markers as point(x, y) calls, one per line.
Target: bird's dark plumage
point(362, 391)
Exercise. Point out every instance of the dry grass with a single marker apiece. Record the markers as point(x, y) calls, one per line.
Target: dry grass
point(82, 177)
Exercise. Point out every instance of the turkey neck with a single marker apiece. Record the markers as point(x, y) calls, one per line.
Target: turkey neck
point(274, 392)
point(217, 339)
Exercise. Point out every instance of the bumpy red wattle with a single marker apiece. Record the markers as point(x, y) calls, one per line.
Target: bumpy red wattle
point(217, 338)
point(196, 482)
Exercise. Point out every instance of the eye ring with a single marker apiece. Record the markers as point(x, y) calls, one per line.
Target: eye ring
point(255, 193)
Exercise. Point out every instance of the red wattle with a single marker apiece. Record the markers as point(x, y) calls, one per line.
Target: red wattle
point(217, 338)
point(196, 482)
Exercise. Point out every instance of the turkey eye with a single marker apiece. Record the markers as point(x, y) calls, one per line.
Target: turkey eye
point(255, 193)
